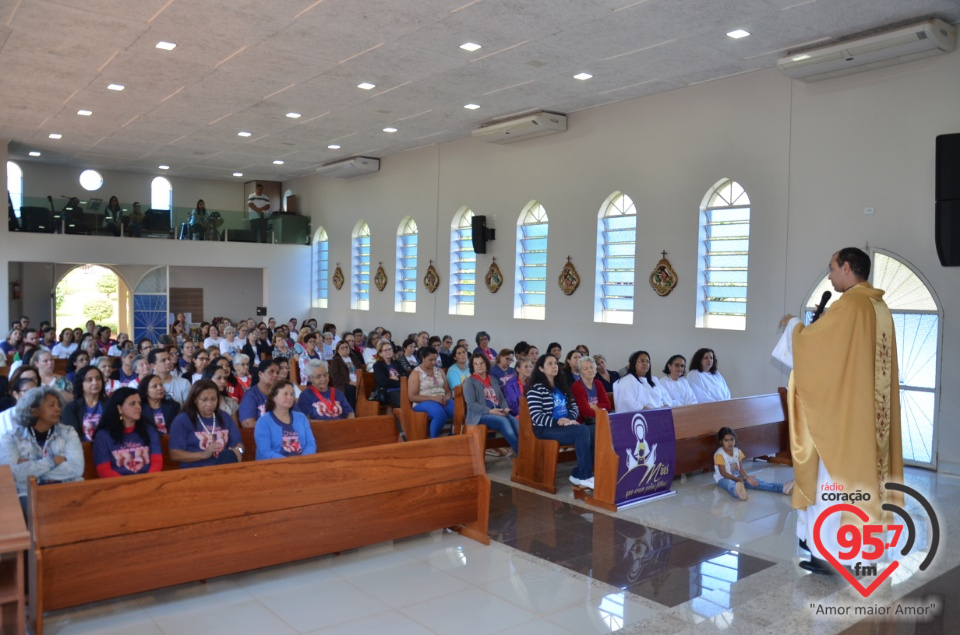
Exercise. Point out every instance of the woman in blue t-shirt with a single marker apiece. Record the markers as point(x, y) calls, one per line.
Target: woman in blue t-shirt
point(554, 412)
point(84, 412)
point(202, 434)
point(158, 408)
point(126, 442)
point(283, 430)
point(320, 401)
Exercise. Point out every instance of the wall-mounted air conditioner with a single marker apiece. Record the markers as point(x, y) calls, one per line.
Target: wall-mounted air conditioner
point(354, 166)
point(526, 127)
point(930, 37)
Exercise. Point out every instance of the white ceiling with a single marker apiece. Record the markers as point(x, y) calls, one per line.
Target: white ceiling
point(241, 65)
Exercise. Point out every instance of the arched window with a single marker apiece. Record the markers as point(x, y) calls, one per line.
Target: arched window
point(463, 264)
point(15, 186)
point(161, 194)
point(287, 201)
point(406, 285)
point(917, 320)
point(321, 268)
point(530, 290)
point(360, 268)
point(616, 257)
point(723, 253)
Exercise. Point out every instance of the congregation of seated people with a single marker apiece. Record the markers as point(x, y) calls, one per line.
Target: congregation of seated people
point(199, 384)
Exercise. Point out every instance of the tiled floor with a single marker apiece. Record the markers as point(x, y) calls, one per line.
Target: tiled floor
point(699, 562)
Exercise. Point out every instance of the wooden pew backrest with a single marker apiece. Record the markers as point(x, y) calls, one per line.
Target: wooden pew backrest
point(187, 525)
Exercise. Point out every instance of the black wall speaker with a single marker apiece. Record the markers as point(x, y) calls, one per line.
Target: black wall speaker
point(481, 234)
point(948, 167)
point(948, 233)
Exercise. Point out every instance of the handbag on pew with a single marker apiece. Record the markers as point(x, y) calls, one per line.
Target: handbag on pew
point(379, 395)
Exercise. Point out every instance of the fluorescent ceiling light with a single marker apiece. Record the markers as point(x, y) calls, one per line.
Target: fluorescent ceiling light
point(243, 134)
point(334, 146)
point(56, 135)
point(800, 58)
point(84, 113)
point(293, 115)
point(34, 154)
point(238, 173)
point(164, 167)
point(278, 162)
point(739, 33)
point(366, 85)
point(166, 46)
point(582, 76)
point(115, 87)
point(471, 106)
point(389, 129)
point(470, 46)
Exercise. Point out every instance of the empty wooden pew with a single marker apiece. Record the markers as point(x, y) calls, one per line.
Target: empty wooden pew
point(164, 529)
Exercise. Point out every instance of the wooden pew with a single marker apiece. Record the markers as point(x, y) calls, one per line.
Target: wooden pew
point(60, 366)
point(760, 423)
point(493, 440)
point(365, 407)
point(416, 425)
point(344, 434)
point(536, 462)
point(158, 527)
point(14, 542)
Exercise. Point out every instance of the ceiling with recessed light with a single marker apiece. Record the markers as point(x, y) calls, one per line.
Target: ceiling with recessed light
point(274, 88)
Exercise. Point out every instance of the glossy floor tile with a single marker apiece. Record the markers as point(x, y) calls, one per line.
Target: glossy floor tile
point(696, 562)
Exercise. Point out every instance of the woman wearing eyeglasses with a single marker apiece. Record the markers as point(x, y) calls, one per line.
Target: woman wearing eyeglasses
point(674, 383)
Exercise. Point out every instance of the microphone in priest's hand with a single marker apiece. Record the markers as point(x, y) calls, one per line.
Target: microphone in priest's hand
point(820, 307)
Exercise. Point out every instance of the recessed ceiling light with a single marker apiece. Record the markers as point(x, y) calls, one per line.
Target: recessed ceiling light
point(166, 46)
point(56, 135)
point(389, 129)
point(470, 46)
point(34, 154)
point(366, 85)
point(243, 134)
point(293, 115)
point(164, 167)
point(334, 146)
point(472, 106)
point(278, 162)
point(582, 76)
point(84, 113)
point(739, 33)
point(238, 173)
point(115, 87)
point(800, 58)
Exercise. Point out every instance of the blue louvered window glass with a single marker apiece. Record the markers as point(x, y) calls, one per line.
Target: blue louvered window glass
point(463, 264)
point(360, 269)
point(724, 250)
point(616, 261)
point(406, 279)
point(530, 291)
point(321, 268)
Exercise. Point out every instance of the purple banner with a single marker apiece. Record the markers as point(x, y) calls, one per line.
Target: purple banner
point(646, 445)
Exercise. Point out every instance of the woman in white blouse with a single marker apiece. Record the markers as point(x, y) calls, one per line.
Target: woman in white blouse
point(708, 384)
point(214, 338)
point(674, 384)
point(637, 390)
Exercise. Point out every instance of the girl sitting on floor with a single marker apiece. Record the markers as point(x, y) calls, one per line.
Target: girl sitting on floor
point(729, 474)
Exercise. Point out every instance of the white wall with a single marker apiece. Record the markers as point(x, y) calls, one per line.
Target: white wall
point(811, 157)
point(232, 292)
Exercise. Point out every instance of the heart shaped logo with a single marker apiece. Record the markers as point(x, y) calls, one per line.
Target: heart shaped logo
point(842, 570)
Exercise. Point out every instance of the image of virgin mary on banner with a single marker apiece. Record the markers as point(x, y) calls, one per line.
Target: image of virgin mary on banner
point(646, 446)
